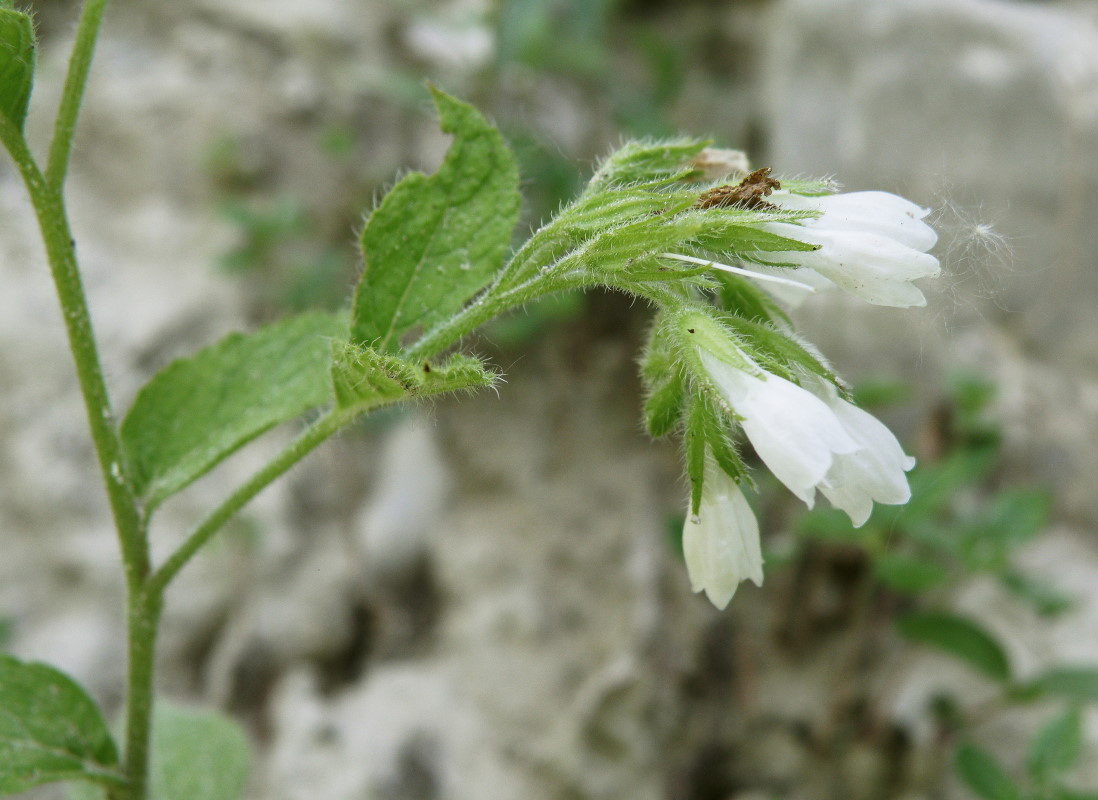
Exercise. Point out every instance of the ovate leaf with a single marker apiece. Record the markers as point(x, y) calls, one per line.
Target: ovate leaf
point(17, 46)
point(197, 755)
point(433, 242)
point(1056, 747)
point(198, 410)
point(50, 730)
point(982, 774)
point(959, 637)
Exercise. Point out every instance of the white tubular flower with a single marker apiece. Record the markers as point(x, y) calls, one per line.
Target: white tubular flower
point(872, 244)
point(721, 544)
point(794, 432)
point(873, 472)
point(815, 442)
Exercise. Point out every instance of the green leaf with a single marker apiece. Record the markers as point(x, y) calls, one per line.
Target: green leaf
point(959, 637)
point(433, 242)
point(197, 755)
point(909, 575)
point(983, 775)
point(50, 730)
point(364, 379)
point(198, 410)
point(1045, 599)
point(17, 46)
point(1076, 684)
point(1056, 747)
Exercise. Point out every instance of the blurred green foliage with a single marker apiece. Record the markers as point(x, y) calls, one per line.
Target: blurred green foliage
point(962, 522)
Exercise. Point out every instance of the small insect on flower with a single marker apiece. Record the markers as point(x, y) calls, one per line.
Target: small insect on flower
point(748, 193)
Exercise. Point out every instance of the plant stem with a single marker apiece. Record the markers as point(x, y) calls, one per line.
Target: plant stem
point(432, 343)
point(487, 307)
point(76, 79)
point(60, 253)
point(143, 619)
point(290, 455)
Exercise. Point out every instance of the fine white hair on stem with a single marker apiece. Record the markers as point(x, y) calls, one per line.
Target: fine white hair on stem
point(739, 271)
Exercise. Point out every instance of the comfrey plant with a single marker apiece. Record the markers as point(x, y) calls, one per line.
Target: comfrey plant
point(713, 250)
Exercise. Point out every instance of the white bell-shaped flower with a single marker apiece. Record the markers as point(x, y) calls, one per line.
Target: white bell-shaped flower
point(872, 244)
point(874, 472)
point(721, 544)
point(794, 432)
point(814, 439)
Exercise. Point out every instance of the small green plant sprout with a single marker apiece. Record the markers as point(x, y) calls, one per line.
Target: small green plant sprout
point(714, 255)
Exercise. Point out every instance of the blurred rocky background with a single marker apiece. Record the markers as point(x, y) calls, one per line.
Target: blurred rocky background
point(483, 599)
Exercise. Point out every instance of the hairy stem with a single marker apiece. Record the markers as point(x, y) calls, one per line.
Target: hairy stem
point(487, 307)
point(76, 79)
point(61, 255)
point(143, 619)
point(432, 343)
point(274, 469)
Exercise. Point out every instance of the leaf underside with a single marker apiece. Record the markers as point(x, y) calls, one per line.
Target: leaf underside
point(198, 410)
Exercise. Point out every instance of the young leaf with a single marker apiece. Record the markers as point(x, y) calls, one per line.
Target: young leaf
point(17, 46)
point(433, 242)
point(1056, 747)
point(50, 730)
point(199, 410)
point(983, 775)
point(1077, 684)
point(961, 638)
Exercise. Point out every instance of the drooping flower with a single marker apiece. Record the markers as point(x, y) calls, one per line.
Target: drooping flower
point(814, 442)
point(721, 543)
point(872, 244)
point(874, 472)
point(794, 432)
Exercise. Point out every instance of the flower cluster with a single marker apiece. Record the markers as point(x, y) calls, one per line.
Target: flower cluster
point(872, 244)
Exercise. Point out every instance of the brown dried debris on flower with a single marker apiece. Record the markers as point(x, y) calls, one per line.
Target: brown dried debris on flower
point(748, 193)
